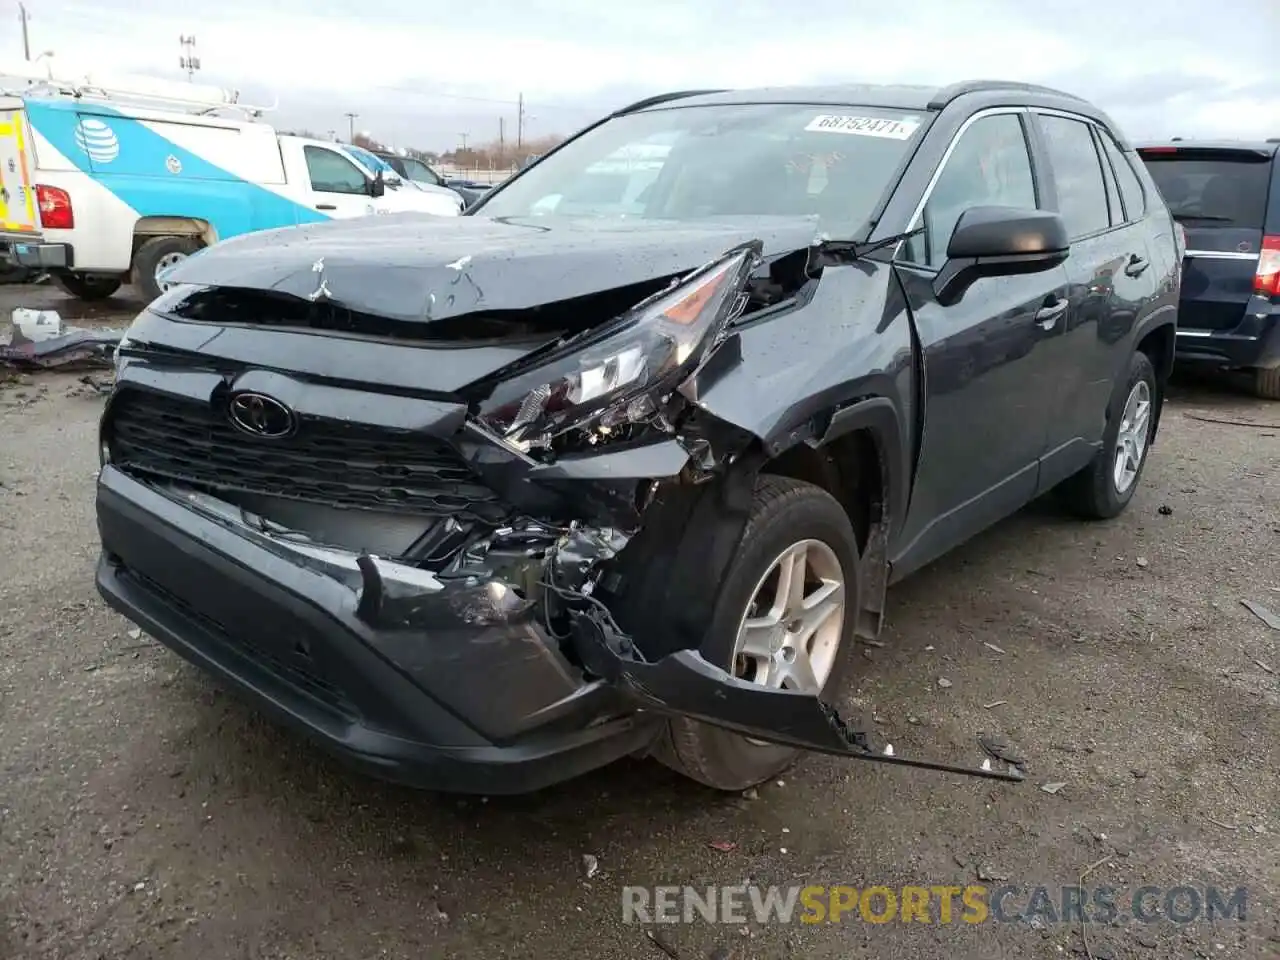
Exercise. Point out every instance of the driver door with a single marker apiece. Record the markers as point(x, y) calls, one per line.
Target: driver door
point(338, 187)
point(992, 361)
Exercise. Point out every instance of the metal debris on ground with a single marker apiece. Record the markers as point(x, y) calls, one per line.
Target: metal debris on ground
point(1052, 787)
point(1262, 613)
point(658, 940)
point(992, 646)
point(998, 748)
point(590, 865)
point(724, 846)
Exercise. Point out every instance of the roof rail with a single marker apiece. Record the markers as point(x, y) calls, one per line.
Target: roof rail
point(663, 98)
point(29, 79)
point(955, 90)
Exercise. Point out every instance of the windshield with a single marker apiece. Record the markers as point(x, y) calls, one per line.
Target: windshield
point(372, 162)
point(687, 163)
point(1224, 191)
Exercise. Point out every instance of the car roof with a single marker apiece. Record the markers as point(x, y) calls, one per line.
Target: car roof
point(1257, 147)
point(893, 96)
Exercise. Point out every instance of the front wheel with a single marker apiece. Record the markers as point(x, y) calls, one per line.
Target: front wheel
point(156, 256)
point(1104, 488)
point(88, 286)
point(789, 603)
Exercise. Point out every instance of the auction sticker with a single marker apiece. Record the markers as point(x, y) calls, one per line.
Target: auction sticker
point(864, 126)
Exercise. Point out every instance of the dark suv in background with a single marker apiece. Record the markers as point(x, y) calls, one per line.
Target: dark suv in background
point(1226, 197)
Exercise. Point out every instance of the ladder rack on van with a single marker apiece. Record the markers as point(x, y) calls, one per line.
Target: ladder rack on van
point(138, 91)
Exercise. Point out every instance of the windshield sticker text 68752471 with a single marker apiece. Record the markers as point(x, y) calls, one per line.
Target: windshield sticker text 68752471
point(864, 126)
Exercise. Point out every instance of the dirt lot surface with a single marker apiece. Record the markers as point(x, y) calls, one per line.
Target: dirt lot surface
point(144, 813)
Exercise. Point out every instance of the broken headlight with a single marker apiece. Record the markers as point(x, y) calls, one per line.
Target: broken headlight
point(621, 374)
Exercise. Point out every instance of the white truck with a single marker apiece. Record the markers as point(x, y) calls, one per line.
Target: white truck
point(108, 182)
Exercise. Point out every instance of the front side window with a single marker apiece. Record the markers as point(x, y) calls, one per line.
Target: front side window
point(691, 162)
point(1082, 191)
point(417, 170)
point(331, 172)
point(990, 165)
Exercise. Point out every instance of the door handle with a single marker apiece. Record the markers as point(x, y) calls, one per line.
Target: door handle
point(1048, 315)
point(1136, 266)
point(326, 206)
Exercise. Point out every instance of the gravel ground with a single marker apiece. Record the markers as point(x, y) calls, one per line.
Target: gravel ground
point(144, 813)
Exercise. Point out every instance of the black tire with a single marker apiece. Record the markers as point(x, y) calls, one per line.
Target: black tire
point(147, 260)
point(1092, 493)
point(1266, 383)
point(784, 511)
point(90, 287)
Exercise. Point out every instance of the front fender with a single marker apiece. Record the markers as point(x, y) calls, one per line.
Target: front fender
point(840, 362)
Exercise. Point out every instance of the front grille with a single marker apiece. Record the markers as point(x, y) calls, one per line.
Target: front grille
point(328, 462)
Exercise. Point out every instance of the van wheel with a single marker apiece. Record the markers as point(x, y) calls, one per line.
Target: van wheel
point(156, 256)
point(798, 556)
point(1266, 383)
point(88, 286)
point(1104, 488)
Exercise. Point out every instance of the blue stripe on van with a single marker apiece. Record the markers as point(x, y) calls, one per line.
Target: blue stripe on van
point(133, 161)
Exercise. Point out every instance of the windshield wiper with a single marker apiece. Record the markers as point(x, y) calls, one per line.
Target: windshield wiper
point(846, 251)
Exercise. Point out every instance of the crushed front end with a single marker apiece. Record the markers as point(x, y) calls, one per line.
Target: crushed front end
point(419, 552)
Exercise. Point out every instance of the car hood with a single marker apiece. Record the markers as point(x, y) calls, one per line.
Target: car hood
point(410, 267)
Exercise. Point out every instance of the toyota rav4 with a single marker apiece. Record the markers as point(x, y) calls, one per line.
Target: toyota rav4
point(623, 461)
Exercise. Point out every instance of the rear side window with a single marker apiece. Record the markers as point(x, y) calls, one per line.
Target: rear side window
point(1082, 192)
point(1135, 202)
point(1227, 190)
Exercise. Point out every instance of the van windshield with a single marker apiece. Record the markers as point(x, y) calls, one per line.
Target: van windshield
point(685, 163)
point(1206, 190)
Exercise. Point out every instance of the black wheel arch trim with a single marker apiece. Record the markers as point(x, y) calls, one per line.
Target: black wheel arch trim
point(879, 416)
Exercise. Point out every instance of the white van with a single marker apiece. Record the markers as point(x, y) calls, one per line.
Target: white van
point(118, 182)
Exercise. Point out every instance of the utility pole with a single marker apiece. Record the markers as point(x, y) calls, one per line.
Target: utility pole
point(464, 142)
point(520, 123)
point(189, 61)
point(351, 126)
point(502, 139)
point(26, 41)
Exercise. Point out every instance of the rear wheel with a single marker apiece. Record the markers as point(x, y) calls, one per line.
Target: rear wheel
point(789, 601)
point(156, 256)
point(1266, 383)
point(88, 286)
point(1104, 488)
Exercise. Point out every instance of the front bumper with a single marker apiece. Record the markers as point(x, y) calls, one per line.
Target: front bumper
point(1254, 343)
point(37, 255)
point(481, 702)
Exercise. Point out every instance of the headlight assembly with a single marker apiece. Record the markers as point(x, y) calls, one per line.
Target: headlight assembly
point(620, 373)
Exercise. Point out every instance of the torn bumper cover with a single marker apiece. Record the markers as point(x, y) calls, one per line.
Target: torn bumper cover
point(685, 684)
point(480, 701)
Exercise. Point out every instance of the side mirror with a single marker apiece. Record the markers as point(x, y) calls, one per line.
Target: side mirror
point(1000, 242)
point(377, 186)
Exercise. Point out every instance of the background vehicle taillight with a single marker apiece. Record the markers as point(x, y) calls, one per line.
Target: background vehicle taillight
point(1266, 282)
point(55, 208)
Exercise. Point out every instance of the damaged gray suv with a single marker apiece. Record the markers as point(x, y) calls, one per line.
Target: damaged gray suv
point(622, 461)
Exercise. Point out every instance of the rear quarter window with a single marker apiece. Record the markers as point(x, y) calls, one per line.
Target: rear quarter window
point(1214, 190)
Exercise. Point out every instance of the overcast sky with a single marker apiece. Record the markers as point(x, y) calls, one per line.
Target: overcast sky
point(420, 74)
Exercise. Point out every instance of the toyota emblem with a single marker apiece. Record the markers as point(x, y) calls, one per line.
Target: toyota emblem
point(261, 416)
